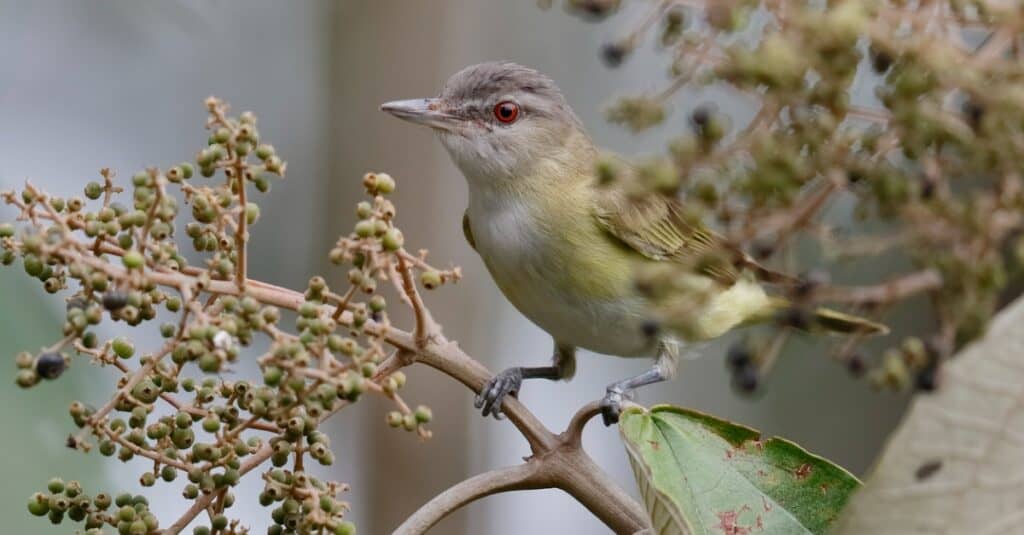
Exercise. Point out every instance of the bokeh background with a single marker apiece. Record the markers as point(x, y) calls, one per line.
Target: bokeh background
point(120, 84)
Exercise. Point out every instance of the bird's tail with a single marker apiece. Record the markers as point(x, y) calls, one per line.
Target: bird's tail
point(827, 319)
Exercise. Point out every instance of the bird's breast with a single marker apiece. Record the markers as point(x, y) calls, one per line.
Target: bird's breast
point(557, 267)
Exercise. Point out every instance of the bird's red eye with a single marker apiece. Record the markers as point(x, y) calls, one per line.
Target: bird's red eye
point(506, 111)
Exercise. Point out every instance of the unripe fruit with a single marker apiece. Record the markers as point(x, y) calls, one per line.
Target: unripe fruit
point(39, 504)
point(430, 279)
point(123, 347)
point(423, 414)
point(93, 190)
point(392, 240)
point(133, 259)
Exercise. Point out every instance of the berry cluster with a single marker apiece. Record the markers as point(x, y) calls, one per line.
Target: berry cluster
point(181, 405)
point(929, 161)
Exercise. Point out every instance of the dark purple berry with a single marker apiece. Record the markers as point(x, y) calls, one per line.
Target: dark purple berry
point(796, 318)
point(856, 365)
point(973, 112)
point(50, 365)
point(927, 379)
point(115, 300)
point(880, 61)
point(745, 380)
point(738, 356)
point(614, 54)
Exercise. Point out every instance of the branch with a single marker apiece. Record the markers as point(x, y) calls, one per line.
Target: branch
point(565, 466)
point(521, 477)
point(886, 292)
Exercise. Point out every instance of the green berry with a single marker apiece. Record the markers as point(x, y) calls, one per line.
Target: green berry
point(33, 265)
point(146, 391)
point(209, 363)
point(123, 347)
point(430, 279)
point(345, 528)
point(26, 378)
point(392, 240)
point(6, 230)
point(252, 212)
point(423, 414)
point(364, 228)
point(364, 210)
point(107, 448)
point(25, 360)
point(102, 501)
point(126, 513)
point(133, 259)
point(167, 330)
point(264, 151)
point(39, 504)
point(385, 184)
point(93, 190)
point(55, 485)
point(211, 423)
point(274, 165)
point(272, 376)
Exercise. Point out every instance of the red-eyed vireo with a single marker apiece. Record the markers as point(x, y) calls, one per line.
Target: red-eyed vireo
point(566, 250)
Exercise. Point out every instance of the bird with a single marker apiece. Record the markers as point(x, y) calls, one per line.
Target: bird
point(565, 248)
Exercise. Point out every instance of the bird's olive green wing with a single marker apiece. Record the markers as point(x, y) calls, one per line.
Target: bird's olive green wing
point(658, 228)
point(467, 231)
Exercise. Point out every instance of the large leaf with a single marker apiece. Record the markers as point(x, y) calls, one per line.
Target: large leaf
point(956, 463)
point(702, 475)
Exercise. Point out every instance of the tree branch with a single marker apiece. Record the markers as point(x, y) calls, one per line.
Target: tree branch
point(565, 466)
point(520, 477)
point(886, 292)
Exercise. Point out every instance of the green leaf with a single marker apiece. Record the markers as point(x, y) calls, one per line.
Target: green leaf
point(702, 475)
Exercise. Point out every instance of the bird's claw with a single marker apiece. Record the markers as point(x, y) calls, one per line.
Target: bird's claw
point(493, 393)
point(611, 407)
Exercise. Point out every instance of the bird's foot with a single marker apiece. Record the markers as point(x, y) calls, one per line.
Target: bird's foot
point(611, 405)
point(493, 394)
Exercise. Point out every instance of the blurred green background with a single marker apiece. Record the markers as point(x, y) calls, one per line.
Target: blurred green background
point(85, 85)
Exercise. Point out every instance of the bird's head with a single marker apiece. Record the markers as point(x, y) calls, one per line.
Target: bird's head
point(500, 121)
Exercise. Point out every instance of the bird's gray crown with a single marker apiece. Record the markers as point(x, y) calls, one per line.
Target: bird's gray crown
point(498, 77)
point(479, 85)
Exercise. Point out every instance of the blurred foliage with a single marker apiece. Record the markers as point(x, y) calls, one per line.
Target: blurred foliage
point(930, 155)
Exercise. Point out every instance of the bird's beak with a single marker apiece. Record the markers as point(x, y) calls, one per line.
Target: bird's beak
point(425, 111)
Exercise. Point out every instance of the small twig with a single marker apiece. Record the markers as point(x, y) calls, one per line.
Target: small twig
point(886, 292)
point(424, 323)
